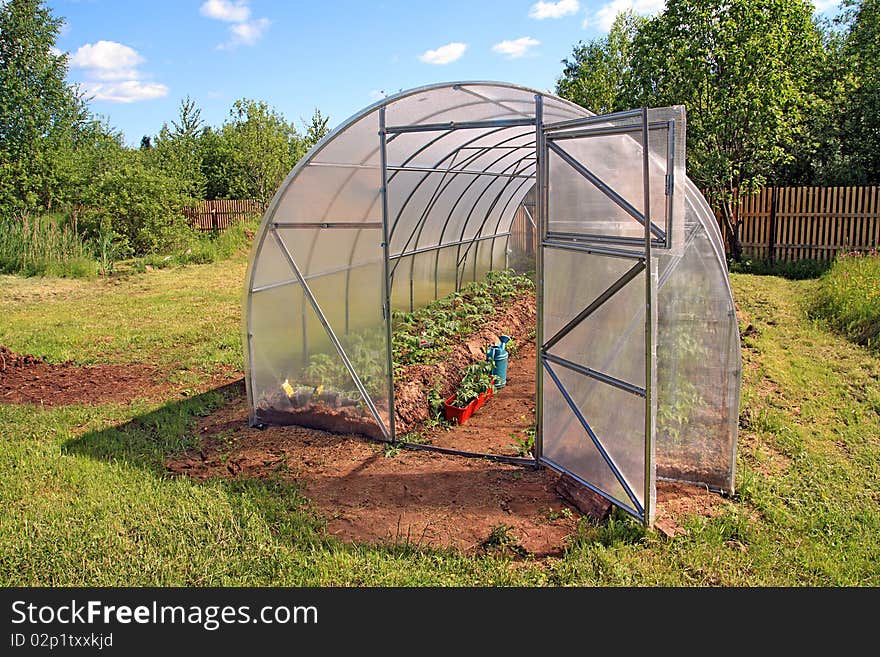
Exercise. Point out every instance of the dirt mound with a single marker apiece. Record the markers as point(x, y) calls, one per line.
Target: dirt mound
point(28, 379)
point(9, 360)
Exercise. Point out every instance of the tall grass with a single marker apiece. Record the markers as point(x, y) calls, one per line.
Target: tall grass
point(46, 245)
point(848, 297)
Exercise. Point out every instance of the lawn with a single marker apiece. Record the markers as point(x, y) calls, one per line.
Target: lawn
point(84, 499)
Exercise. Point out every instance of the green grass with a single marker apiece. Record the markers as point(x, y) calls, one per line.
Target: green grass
point(84, 499)
point(848, 297)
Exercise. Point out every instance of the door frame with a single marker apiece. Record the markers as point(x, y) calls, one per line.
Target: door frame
point(639, 250)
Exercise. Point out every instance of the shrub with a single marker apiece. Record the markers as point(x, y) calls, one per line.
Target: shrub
point(142, 206)
point(848, 297)
point(795, 270)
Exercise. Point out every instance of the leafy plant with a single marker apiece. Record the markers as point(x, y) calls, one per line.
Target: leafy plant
point(476, 380)
point(525, 444)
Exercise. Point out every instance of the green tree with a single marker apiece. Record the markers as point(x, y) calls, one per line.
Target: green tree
point(177, 151)
point(745, 70)
point(260, 146)
point(599, 74)
point(41, 117)
point(860, 113)
point(316, 130)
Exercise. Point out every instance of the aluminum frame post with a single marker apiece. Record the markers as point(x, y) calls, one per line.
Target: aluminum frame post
point(541, 212)
point(386, 271)
point(649, 325)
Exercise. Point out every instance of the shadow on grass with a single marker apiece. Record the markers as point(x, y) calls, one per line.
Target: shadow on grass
point(795, 271)
point(146, 440)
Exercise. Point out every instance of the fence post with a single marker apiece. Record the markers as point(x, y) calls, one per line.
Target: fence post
point(771, 242)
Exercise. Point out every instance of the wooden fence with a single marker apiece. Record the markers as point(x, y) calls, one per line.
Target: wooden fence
point(522, 233)
point(778, 223)
point(809, 223)
point(222, 213)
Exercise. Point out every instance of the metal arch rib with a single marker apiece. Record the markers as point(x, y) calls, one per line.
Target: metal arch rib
point(453, 153)
point(438, 192)
point(463, 258)
point(323, 319)
point(464, 191)
point(445, 185)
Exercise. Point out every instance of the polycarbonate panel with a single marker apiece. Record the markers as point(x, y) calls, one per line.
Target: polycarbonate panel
point(697, 369)
point(447, 272)
point(319, 251)
point(572, 280)
point(611, 340)
point(400, 290)
point(297, 371)
point(617, 418)
point(332, 193)
point(617, 160)
point(356, 144)
point(271, 267)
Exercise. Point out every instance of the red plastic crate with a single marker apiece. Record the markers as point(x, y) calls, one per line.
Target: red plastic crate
point(459, 414)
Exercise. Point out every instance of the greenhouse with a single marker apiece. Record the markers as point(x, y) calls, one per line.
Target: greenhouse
point(439, 190)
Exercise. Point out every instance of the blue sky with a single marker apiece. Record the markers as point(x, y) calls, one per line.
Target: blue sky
point(139, 59)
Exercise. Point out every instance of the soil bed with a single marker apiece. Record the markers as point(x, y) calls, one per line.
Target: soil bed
point(27, 379)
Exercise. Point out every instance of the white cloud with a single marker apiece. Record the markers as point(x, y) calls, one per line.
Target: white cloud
point(248, 33)
point(444, 54)
point(541, 10)
point(106, 56)
point(236, 11)
point(244, 31)
point(128, 91)
point(516, 48)
point(606, 14)
point(112, 73)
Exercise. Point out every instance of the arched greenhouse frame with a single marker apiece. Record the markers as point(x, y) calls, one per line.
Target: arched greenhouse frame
point(638, 358)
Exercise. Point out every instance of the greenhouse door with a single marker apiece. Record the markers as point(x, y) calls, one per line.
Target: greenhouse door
point(605, 202)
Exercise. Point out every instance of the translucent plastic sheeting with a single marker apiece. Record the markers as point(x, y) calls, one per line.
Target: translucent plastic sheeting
point(296, 355)
point(617, 419)
point(434, 215)
point(698, 364)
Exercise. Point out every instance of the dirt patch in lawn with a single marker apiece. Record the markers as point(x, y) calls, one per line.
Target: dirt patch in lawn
point(27, 379)
point(372, 495)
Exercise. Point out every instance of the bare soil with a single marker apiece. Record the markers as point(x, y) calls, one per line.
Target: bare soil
point(27, 379)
